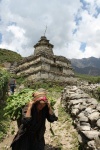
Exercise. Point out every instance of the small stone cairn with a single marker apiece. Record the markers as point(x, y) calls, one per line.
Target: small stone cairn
point(85, 112)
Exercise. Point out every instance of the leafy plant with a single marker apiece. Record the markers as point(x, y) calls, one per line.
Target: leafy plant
point(4, 122)
point(4, 76)
point(16, 102)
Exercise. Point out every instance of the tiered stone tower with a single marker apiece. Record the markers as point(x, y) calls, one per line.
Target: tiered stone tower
point(43, 46)
point(45, 65)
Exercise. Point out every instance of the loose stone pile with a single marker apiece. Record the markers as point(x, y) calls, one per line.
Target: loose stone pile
point(91, 89)
point(85, 112)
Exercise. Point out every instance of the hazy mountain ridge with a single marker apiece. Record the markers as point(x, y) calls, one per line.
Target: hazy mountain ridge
point(90, 66)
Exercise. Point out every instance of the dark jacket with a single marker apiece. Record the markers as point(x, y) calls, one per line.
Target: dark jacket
point(31, 132)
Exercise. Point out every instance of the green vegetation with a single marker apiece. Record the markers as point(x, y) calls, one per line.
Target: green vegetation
point(48, 85)
point(4, 76)
point(63, 116)
point(16, 102)
point(9, 56)
point(88, 78)
point(95, 93)
point(67, 121)
point(98, 94)
point(4, 123)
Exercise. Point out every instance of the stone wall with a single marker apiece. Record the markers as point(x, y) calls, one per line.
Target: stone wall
point(85, 112)
point(51, 76)
point(91, 89)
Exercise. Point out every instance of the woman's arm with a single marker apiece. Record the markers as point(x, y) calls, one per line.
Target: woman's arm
point(50, 109)
point(51, 117)
point(26, 113)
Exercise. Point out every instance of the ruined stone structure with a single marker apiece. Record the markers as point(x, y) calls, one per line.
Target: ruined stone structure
point(45, 65)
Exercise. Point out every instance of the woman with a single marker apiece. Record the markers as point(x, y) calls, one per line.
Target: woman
point(31, 132)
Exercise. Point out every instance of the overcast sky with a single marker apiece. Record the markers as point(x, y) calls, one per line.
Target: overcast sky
point(73, 26)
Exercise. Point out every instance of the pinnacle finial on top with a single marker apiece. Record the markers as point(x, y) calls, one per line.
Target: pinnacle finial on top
point(45, 30)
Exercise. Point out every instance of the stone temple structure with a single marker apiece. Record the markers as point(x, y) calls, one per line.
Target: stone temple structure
point(45, 65)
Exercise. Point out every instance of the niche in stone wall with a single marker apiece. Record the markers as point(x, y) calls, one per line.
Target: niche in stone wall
point(56, 69)
point(54, 59)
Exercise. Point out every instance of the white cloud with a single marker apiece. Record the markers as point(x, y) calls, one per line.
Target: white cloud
point(23, 23)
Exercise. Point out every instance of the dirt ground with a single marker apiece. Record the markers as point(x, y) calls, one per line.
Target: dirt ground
point(61, 135)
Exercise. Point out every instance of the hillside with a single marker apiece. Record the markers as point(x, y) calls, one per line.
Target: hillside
point(90, 66)
point(9, 56)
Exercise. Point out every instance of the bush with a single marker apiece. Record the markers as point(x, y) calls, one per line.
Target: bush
point(4, 77)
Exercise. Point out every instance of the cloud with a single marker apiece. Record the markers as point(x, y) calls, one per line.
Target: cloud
point(69, 24)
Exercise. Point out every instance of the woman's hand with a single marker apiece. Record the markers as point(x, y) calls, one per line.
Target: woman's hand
point(50, 109)
point(31, 103)
point(48, 104)
point(28, 113)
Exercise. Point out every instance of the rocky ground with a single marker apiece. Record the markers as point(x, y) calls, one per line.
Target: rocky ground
point(61, 135)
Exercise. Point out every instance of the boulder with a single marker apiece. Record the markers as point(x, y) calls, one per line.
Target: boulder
point(98, 107)
point(91, 134)
point(91, 145)
point(94, 116)
point(84, 119)
point(98, 123)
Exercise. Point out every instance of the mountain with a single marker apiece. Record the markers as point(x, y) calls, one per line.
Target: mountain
point(89, 66)
point(9, 56)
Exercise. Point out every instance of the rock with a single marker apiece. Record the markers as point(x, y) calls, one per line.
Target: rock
point(82, 107)
point(74, 88)
point(98, 123)
point(84, 128)
point(98, 107)
point(89, 110)
point(78, 96)
point(84, 124)
point(81, 115)
point(76, 106)
point(91, 134)
point(74, 111)
point(94, 116)
point(97, 143)
point(74, 102)
point(92, 100)
point(80, 138)
point(84, 119)
point(91, 144)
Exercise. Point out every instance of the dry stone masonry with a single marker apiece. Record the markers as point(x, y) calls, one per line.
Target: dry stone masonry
point(91, 89)
point(85, 112)
point(45, 65)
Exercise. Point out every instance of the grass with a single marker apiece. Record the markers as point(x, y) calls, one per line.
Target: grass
point(66, 121)
point(88, 78)
point(9, 56)
point(63, 116)
point(4, 123)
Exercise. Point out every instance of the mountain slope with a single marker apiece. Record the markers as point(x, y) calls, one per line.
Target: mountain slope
point(9, 56)
point(90, 66)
